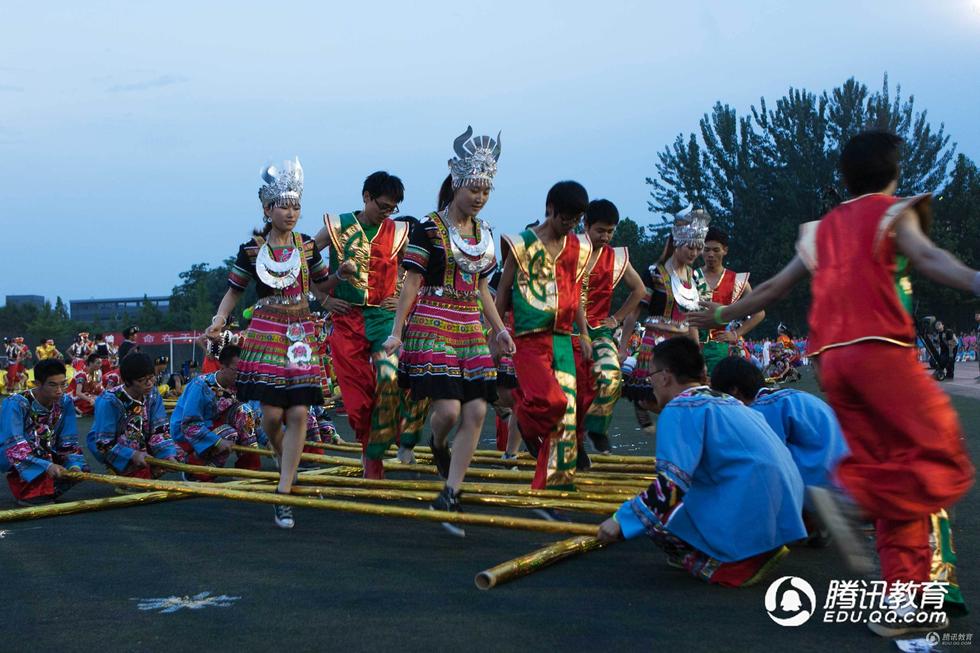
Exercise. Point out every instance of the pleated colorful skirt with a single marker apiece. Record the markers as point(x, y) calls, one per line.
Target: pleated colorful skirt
point(445, 354)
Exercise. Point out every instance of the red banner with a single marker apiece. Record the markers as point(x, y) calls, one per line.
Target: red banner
point(158, 337)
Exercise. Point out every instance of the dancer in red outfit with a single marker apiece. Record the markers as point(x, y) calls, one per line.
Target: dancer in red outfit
point(906, 449)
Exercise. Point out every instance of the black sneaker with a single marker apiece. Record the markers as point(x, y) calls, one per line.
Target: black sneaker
point(582, 460)
point(284, 515)
point(449, 502)
point(441, 456)
point(842, 518)
point(601, 442)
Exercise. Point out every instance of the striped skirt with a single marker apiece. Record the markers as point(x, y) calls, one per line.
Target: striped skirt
point(265, 373)
point(636, 386)
point(445, 354)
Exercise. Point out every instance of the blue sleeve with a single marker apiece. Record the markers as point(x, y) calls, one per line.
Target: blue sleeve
point(633, 516)
point(195, 422)
point(17, 452)
point(68, 435)
point(680, 443)
point(102, 438)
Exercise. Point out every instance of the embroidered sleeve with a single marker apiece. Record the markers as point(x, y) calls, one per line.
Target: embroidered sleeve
point(419, 249)
point(319, 270)
point(195, 424)
point(242, 272)
point(67, 443)
point(13, 440)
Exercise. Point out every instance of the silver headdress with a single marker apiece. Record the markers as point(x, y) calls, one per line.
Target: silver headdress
point(690, 226)
point(475, 163)
point(282, 187)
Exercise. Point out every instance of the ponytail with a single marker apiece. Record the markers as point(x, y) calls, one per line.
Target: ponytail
point(446, 193)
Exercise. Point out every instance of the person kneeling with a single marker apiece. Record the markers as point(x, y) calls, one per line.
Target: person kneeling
point(208, 419)
point(39, 439)
point(130, 421)
point(713, 455)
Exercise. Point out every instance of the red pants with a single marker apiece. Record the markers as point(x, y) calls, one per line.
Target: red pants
point(42, 486)
point(906, 458)
point(355, 374)
point(542, 406)
point(84, 406)
point(503, 433)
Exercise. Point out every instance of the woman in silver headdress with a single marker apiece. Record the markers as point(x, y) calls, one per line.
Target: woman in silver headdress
point(445, 357)
point(673, 288)
point(279, 366)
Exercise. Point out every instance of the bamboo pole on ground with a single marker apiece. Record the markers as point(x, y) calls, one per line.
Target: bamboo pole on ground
point(518, 523)
point(601, 494)
point(535, 560)
point(111, 503)
point(354, 447)
point(503, 501)
point(626, 480)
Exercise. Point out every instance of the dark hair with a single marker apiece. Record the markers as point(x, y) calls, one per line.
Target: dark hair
point(446, 193)
point(127, 347)
point(46, 369)
point(99, 336)
point(129, 332)
point(231, 351)
point(135, 366)
point(381, 183)
point(568, 198)
point(682, 357)
point(161, 360)
point(717, 235)
point(737, 374)
point(869, 161)
point(93, 358)
point(602, 211)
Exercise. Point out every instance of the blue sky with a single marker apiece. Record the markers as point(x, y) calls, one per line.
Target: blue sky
point(131, 134)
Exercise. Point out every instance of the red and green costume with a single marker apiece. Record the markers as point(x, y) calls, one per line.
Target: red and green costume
point(602, 384)
point(545, 297)
point(368, 378)
point(731, 286)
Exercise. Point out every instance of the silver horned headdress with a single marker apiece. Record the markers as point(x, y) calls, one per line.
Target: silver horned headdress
point(475, 163)
point(690, 226)
point(282, 187)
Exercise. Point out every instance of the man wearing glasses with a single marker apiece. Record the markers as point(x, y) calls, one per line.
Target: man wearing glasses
point(713, 453)
point(363, 312)
point(130, 421)
point(39, 438)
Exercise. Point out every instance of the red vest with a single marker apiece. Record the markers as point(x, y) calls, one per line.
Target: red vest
point(608, 270)
point(851, 254)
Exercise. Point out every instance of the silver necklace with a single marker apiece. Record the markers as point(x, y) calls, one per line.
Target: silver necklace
point(277, 274)
point(688, 298)
point(472, 258)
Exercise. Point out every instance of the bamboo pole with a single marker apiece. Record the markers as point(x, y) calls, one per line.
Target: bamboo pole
point(111, 503)
point(597, 457)
point(518, 523)
point(503, 501)
point(626, 480)
point(535, 560)
point(601, 494)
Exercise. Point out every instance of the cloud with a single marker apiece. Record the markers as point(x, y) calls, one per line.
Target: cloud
point(157, 82)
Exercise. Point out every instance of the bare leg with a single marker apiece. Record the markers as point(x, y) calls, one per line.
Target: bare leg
point(445, 414)
point(292, 446)
point(467, 437)
point(272, 425)
point(513, 436)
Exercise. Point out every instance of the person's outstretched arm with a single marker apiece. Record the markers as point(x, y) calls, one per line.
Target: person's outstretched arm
point(932, 261)
point(766, 293)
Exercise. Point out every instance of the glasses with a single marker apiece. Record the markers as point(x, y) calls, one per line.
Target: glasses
point(388, 209)
point(655, 372)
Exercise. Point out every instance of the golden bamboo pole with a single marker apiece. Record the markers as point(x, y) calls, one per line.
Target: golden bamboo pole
point(518, 523)
point(586, 478)
point(595, 507)
point(111, 503)
point(596, 457)
point(531, 562)
point(601, 494)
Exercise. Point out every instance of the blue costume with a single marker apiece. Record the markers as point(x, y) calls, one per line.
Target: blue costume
point(32, 437)
point(208, 412)
point(124, 425)
point(808, 427)
point(726, 491)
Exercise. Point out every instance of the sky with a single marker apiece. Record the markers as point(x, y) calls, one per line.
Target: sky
point(132, 134)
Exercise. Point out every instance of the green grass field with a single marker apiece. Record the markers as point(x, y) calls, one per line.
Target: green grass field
point(344, 582)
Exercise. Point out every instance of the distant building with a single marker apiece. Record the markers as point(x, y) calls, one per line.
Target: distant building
point(109, 310)
point(30, 300)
